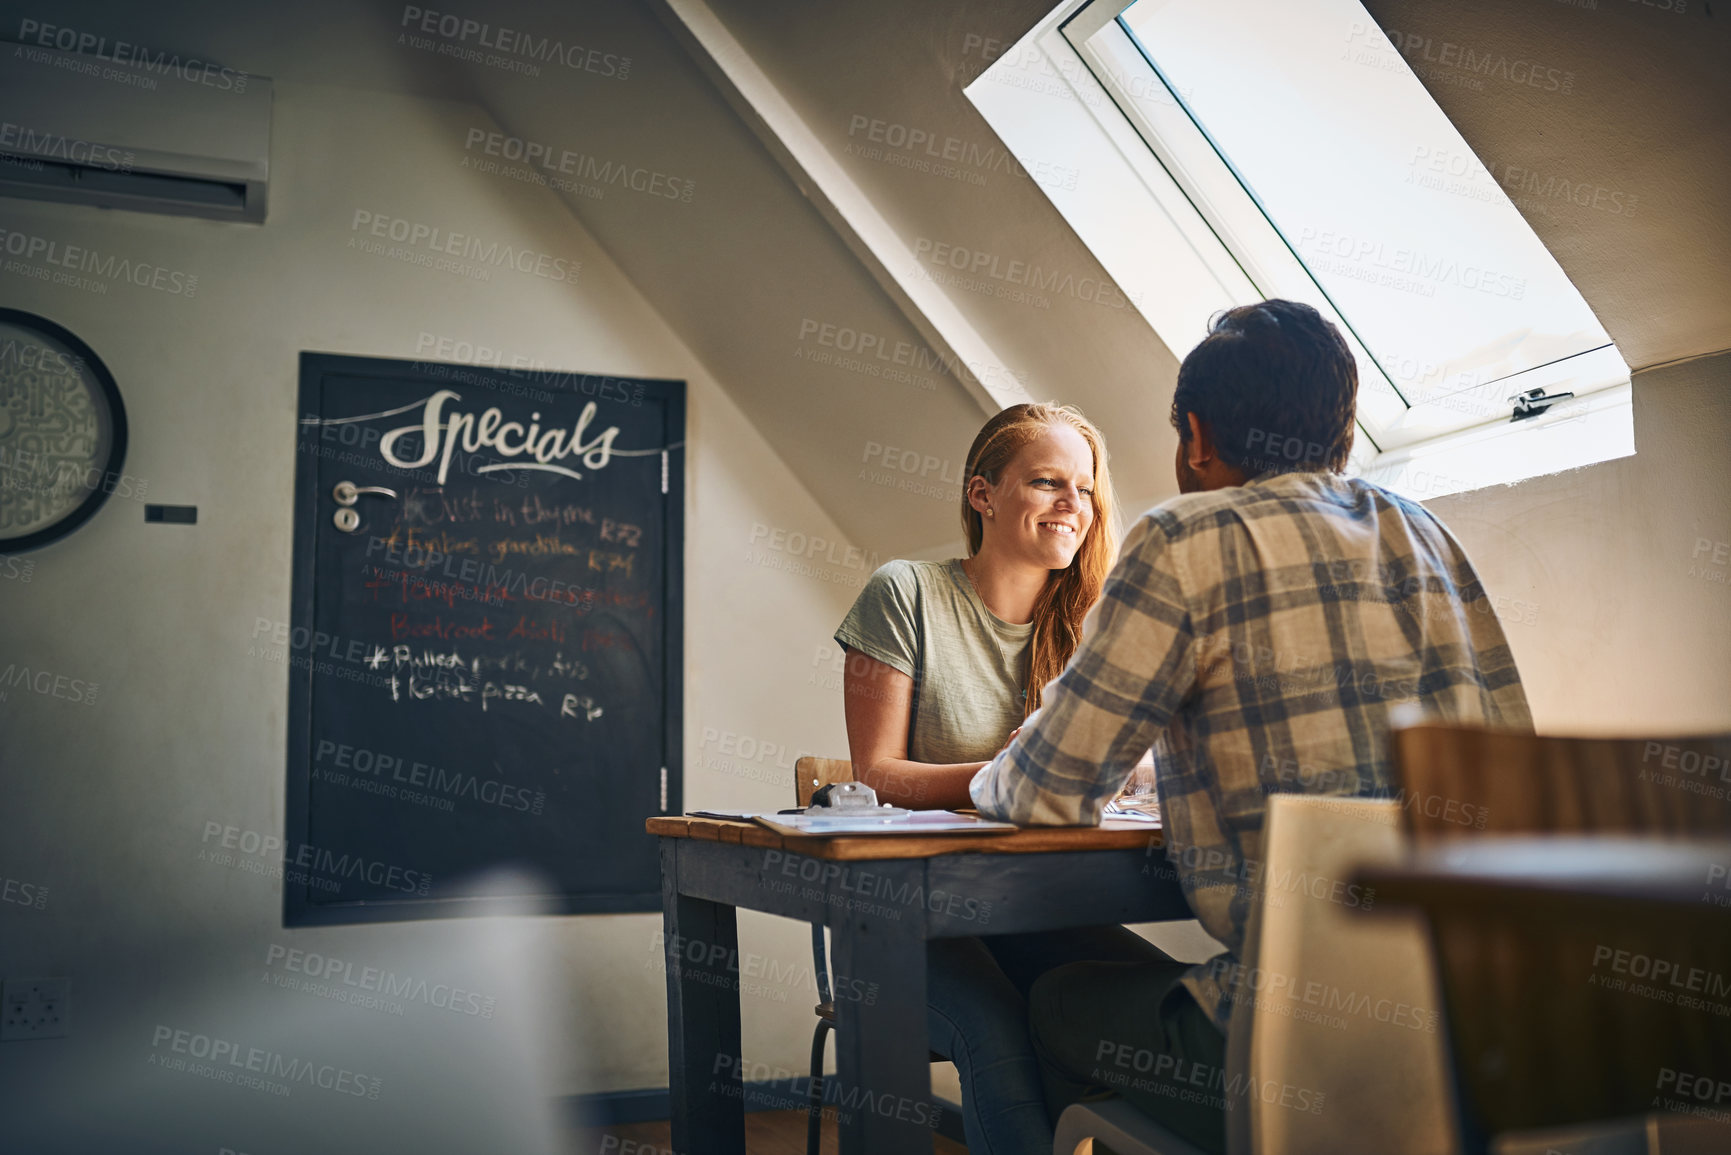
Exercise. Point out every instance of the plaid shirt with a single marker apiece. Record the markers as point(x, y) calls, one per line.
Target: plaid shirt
point(1258, 636)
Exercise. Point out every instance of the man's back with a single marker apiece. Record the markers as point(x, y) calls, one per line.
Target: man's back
point(1259, 635)
point(1317, 603)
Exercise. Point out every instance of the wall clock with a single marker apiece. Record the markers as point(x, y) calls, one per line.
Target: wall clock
point(62, 432)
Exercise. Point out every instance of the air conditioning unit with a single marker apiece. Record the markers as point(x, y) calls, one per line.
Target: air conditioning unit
point(135, 129)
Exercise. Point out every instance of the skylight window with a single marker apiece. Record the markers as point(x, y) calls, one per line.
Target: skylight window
point(1285, 148)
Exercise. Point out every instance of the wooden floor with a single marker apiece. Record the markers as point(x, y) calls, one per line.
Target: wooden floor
point(766, 1133)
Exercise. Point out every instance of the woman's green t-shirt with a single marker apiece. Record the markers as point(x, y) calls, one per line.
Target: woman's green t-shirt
point(969, 666)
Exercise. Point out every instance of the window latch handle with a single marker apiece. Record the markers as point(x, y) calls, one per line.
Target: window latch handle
point(1534, 402)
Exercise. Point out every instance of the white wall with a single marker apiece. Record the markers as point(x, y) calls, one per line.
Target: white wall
point(1623, 621)
point(106, 804)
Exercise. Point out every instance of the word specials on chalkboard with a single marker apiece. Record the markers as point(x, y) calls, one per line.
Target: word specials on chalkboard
point(487, 577)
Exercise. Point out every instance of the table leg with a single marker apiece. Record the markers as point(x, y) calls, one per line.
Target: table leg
point(703, 1061)
point(883, 1090)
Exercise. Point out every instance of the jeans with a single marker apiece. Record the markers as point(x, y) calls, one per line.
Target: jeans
point(1131, 1028)
point(977, 992)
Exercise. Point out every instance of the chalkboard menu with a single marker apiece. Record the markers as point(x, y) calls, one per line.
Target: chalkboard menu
point(485, 639)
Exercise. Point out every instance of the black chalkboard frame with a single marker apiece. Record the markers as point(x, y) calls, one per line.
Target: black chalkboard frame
point(314, 368)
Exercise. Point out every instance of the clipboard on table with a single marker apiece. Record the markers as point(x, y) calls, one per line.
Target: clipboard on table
point(855, 825)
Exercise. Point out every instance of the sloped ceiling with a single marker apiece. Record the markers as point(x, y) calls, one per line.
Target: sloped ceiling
point(757, 283)
point(869, 77)
point(1621, 169)
point(1608, 120)
point(762, 289)
point(778, 308)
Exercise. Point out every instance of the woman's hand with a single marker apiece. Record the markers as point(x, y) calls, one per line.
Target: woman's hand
point(1010, 739)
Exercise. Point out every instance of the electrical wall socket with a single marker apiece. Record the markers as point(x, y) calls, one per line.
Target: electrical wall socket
point(35, 1009)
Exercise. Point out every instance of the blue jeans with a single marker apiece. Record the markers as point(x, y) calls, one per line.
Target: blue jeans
point(977, 1017)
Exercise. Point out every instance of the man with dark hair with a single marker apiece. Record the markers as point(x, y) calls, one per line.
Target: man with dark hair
point(1274, 387)
point(1258, 630)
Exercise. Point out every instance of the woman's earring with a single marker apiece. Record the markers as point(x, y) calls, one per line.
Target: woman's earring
point(989, 513)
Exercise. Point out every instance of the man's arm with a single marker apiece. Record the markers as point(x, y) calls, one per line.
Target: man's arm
point(1099, 716)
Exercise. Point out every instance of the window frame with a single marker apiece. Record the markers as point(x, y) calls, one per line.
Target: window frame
point(1165, 188)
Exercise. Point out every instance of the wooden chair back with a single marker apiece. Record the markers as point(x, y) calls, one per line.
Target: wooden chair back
point(1457, 781)
point(1549, 1023)
point(810, 773)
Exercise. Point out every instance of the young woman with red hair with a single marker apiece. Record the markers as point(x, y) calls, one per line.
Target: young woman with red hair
point(945, 659)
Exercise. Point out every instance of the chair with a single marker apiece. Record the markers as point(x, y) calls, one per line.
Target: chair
point(809, 775)
point(1111, 1126)
point(1458, 781)
point(1348, 1006)
point(1305, 953)
point(1537, 1041)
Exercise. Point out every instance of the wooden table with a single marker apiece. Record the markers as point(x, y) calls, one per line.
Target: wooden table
point(882, 898)
point(1583, 977)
